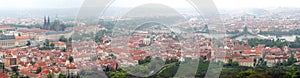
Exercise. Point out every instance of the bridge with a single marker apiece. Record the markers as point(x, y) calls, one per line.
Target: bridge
point(244, 33)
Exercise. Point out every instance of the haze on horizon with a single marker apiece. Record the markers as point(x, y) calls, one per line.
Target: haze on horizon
point(54, 4)
point(70, 8)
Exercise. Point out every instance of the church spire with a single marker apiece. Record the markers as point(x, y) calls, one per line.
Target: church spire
point(45, 23)
point(48, 24)
point(45, 20)
point(48, 20)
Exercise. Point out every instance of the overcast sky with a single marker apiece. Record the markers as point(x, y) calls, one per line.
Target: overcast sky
point(8, 4)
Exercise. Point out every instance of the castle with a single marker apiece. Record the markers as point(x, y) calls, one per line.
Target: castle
point(56, 25)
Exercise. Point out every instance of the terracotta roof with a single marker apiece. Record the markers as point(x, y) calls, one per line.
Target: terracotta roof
point(131, 45)
point(241, 47)
point(236, 55)
point(110, 62)
point(6, 27)
point(33, 31)
point(245, 60)
point(3, 75)
point(23, 64)
point(45, 71)
point(252, 52)
point(138, 52)
point(40, 64)
point(26, 72)
point(58, 43)
point(276, 50)
point(70, 66)
point(55, 69)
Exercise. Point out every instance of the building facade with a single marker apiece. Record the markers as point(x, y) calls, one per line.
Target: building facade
point(7, 41)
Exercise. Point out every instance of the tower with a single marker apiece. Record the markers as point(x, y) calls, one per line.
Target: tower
point(45, 23)
point(56, 24)
point(205, 29)
point(48, 24)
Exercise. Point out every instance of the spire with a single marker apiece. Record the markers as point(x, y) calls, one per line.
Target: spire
point(56, 18)
point(245, 29)
point(45, 20)
point(48, 24)
point(48, 20)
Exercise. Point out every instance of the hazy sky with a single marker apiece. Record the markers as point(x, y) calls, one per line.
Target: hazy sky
point(174, 3)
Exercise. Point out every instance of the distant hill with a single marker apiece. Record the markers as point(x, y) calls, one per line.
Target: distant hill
point(66, 12)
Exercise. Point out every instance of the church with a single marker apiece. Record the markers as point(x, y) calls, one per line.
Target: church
point(57, 25)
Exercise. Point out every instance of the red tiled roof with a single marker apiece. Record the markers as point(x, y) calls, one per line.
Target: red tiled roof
point(45, 71)
point(6, 27)
point(138, 52)
point(70, 66)
point(110, 62)
point(58, 43)
point(236, 55)
point(24, 63)
point(245, 60)
point(55, 69)
point(34, 31)
point(131, 45)
point(40, 64)
point(21, 37)
point(3, 75)
point(26, 72)
point(252, 52)
point(241, 47)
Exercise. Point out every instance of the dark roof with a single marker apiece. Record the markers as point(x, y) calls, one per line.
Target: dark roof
point(6, 37)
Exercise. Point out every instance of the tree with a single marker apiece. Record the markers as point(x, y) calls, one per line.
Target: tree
point(235, 64)
point(63, 39)
point(97, 38)
point(32, 62)
point(296, 74)
point(15, 69)
point(285, 63)
point(118, 74)
point(38, 70)
point(50, 75)
point(70, 39)
point(70, 59)
point(172, 60)
point(291, 60)
point(229, 61)
point(62, 76)
point(143, 61)
point(244, 74)
point(94, 58)
point(204, 57)
point(51, 46)
point(28, 43)
point(47, 42)
point(111, 54)
point(254, 62)
point(260, 62)
point(64, 50)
